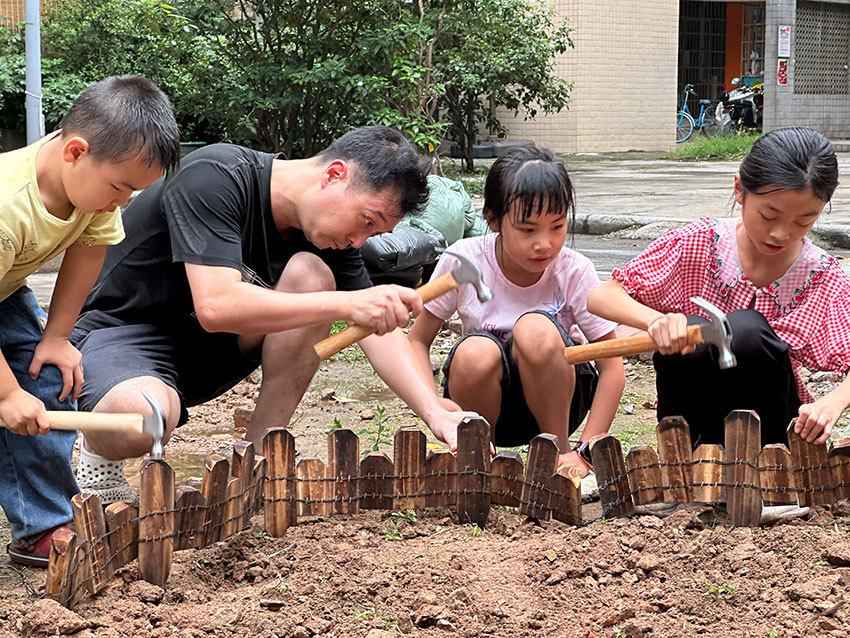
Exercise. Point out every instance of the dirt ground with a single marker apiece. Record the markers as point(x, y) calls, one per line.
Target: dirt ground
point(381, 574)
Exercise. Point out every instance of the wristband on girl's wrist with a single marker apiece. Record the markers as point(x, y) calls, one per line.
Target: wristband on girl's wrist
point(582, 448)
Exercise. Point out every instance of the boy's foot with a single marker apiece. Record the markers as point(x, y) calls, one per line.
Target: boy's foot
point(104, 478)
point(37, 554)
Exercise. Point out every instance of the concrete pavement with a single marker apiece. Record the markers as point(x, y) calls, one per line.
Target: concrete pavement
point(644, 198)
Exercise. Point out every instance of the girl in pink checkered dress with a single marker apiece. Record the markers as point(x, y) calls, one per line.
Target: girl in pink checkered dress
point(788, 302)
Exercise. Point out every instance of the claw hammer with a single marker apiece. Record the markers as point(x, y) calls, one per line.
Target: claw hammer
point(717, 332)
point(153, 424)
point(465, 273)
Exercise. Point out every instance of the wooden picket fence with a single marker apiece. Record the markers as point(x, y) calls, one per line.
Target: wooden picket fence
point(168, 519)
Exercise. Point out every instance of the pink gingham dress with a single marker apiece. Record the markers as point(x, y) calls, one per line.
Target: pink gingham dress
point(808, 307)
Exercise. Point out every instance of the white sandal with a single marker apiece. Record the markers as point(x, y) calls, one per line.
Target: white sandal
point(104, 478)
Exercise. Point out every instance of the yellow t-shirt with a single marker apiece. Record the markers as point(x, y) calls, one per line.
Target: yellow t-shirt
point(29, 235)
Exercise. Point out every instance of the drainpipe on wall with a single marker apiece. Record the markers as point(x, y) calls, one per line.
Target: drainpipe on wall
point(35, 118)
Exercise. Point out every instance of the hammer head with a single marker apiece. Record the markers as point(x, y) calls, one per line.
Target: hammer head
point(467, 273)
point(154, 424)
point(717, 332)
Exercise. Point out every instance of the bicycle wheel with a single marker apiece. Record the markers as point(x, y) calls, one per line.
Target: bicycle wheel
point(710, 126)
point(684, 126)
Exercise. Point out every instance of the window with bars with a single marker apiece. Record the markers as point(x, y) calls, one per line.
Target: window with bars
point(752, 45)
point(821, 48)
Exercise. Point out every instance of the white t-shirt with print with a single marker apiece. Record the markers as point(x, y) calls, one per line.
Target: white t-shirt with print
point(562, 291)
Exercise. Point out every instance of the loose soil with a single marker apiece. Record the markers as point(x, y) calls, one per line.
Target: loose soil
point(381, 574)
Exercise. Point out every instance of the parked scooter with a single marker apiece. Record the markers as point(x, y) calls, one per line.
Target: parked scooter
point(742, 107)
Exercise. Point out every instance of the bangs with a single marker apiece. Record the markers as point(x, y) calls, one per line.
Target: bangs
point(537, 188)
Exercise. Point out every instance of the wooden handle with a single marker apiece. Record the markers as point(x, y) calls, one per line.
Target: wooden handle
point(621, 347)
point(327, 348)
point(92, 421)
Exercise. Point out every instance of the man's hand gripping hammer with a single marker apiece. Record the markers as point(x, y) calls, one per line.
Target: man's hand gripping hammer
point(466, 272)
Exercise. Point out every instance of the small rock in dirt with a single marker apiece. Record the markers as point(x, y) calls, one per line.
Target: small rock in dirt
point(271, 605)
point(815, 589)
point(630, 578)
point(429, 616)
point(328, 394)
point(367, 415)
point(436, 364)
point(300, 632)
point(146, 592)
point(684, 519)
point(650, 521)
point(424, 598)
point(618, 617)
point(838, 554)
point(551, 555)
point(380, 633)
point(241, 418)
point(648, 562)
point(48, 618)
point(255, 377)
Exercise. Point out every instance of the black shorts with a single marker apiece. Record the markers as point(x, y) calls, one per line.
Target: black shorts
point(516, 424)
point(199, 365)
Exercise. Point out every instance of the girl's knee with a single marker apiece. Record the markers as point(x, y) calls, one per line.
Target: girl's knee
point(305, 272)
point(536, 339)
point(476, 358)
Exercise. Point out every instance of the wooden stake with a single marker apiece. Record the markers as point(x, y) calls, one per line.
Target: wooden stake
point(440, 479)
point(674, 454)
point(91, 525)
point(839, 458)
point(79, 573)
point(606, 453)
point(473, 466)
point(566, 501)
point(813, 476)
point(743, 491)
point(376, 482)
point(123, 533)
point(506, 484)
point(61, 545)
point(312, 486)
point(156, 522)
point(708, 474)
point(539, 468)
point(212, 489)
point(231, 516)
point(242, 467)
point(409, 453)
point(189, 521)
point(281, 510)
point(776, 476)
point(644, 475)
point(259, 481)
point(344, 468)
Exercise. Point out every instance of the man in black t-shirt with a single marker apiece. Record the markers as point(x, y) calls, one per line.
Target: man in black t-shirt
point(243, 258)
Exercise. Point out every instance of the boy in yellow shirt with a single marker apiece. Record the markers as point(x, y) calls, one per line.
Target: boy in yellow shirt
point(63, 193)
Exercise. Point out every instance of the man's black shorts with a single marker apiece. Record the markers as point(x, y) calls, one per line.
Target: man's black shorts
point(199, 365)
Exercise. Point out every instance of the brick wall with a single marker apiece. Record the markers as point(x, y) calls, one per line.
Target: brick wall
point(12, 11)
point(623, 69)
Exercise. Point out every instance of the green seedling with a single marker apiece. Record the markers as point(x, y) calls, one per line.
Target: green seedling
point(408, 516)
point(392, 530)
point(473, 530)
point(771, 633)
point(380, 432)
point(723, 591)
point(336, 426)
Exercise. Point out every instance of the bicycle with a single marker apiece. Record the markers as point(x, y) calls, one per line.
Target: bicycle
point(685, 122)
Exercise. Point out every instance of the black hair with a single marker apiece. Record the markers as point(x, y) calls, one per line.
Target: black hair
point(124, 117)
point(793, 158)
point(383, 158)
point(533, 177)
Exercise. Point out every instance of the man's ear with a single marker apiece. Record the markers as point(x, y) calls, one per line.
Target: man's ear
point(336, 171)
point(739, 190)
point(73, 148)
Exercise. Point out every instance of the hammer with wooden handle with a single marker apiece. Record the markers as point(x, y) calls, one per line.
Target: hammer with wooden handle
point(153, 424)
point(465, 273)
point(717, 332)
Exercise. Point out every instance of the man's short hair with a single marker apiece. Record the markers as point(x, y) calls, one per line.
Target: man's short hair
point(384, 158)
point(124, 117)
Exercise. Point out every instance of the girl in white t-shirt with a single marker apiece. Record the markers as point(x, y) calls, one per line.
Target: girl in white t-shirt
point(509, 364)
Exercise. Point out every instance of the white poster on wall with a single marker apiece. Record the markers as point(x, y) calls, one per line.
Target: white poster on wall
point(784, 43)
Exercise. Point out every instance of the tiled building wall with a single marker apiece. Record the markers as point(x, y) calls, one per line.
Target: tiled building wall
point(828, 113)
point(623, 69)
point(11, 11)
